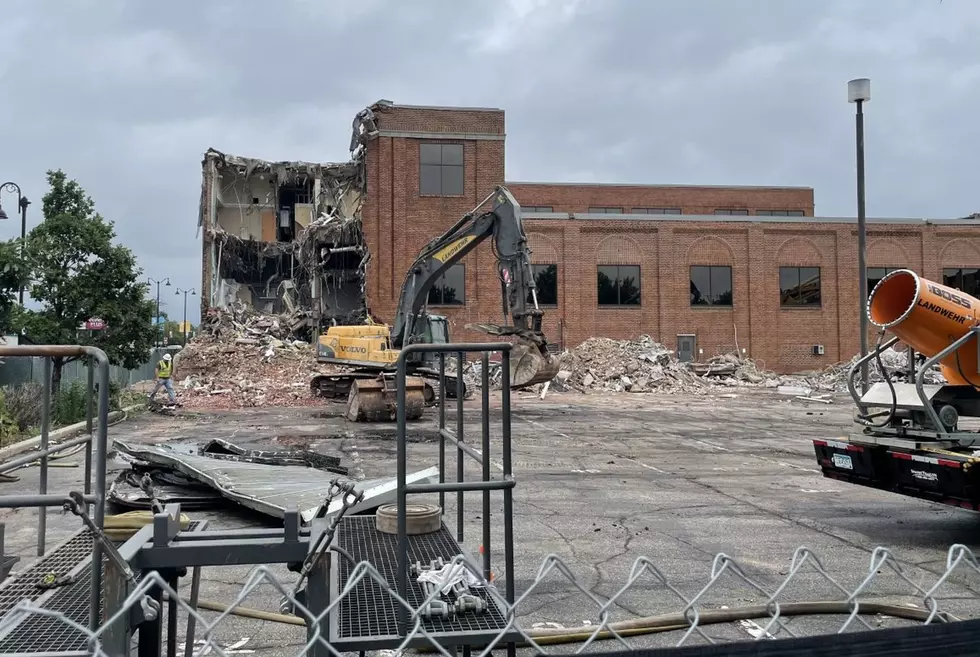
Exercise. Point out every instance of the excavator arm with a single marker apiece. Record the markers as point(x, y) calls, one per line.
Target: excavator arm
point(531, 362)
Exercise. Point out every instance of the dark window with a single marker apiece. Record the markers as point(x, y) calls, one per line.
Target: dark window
point(875, 274)
point(799, 286)
point(964, 279)
point(537, 208)
point(655, 211)
point(730, 211)
point(619, 285)
point(450, 288)
point(546, 281)
point(441, 169)
point(779, 213)
point(711, 285)
point(605, 210)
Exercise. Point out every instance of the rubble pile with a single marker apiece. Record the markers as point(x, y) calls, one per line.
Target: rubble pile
point(834, 378)
point(242, 358)
point(645, 365)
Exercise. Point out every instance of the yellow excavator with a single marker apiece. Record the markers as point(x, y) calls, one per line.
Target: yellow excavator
point(371, 350)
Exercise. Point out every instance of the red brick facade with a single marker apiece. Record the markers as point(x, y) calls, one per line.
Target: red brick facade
point(398, 221)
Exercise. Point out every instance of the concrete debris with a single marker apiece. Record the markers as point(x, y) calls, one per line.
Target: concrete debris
point(242, 358)
point(644, 365)
point(834, 378)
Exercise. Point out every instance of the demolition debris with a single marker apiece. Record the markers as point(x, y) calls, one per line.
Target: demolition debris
point(242, 358)
point(644, 365)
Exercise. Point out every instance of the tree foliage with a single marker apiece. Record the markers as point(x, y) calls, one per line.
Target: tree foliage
point(13, 274)
point(78, 273)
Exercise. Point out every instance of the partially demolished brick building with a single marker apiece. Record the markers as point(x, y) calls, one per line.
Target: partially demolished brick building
point(703, 269)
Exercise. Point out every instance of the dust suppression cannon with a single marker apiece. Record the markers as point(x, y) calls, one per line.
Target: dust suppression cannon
point(913, 437)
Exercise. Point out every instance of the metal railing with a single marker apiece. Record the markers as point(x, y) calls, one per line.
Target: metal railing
point(97, 360)
point(485, 485)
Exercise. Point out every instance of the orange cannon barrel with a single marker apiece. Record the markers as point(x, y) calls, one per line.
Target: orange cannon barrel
point(928, 317)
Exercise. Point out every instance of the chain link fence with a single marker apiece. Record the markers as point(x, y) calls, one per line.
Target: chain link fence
point(854, 608)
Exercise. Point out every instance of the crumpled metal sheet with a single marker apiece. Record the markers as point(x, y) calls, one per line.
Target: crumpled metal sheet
point(222, 449)
point(269, 489)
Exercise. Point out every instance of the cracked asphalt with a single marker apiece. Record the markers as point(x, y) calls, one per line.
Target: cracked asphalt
point(603, 480)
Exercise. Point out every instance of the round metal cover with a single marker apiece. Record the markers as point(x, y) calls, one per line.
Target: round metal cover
point(421, 518)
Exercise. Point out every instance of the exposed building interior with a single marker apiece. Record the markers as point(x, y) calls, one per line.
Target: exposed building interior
point(285, 237)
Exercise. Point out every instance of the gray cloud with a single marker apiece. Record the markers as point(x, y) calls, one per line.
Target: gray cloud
point(126, 96)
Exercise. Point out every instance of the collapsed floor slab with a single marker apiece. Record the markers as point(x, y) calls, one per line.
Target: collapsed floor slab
point(269, 489)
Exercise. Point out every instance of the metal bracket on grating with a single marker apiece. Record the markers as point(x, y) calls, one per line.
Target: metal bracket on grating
point(42, 633)
point(61, 560)
point(367, 618)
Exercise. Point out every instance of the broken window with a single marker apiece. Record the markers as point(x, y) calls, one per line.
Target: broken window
point(711, 285)
point(964, 279)
point(440, 169)
point(449, 288)
point(546, 282)
point(619, 285)
point(799, 286)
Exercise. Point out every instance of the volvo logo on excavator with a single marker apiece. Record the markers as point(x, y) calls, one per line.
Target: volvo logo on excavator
point(353, 349)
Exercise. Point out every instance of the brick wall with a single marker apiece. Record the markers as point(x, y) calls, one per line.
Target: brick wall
point(690, 199)
point(399, 221)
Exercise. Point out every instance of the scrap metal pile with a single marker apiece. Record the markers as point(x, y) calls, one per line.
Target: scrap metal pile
point(242, 359)
point(217, 472)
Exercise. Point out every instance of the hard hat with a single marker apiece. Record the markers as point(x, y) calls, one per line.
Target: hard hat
point(166, 357)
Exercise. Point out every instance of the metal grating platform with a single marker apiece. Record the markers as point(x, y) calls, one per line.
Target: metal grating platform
point(45, 633)
point(62, 559)
point(369, 615)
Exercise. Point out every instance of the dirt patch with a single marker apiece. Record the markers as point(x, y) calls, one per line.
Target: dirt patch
point(301, 440)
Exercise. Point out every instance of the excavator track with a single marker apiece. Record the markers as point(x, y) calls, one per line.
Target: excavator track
point(337, 387)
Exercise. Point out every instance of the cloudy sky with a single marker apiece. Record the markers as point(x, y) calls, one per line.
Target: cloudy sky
point(126, 96)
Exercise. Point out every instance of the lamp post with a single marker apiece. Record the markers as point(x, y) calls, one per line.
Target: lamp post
point(150, 281)
point(184, 324)
point(22, 204)
point(859, 93)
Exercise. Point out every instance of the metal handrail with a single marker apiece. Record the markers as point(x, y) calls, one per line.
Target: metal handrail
point(97, 358)
point(486, 484)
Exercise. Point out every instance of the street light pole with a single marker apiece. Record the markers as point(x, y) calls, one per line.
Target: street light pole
point(859, 92)
point(22, 204)
point(184, 324)
point(150, 281)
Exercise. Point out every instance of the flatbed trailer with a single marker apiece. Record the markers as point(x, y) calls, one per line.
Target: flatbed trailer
point(936, 472)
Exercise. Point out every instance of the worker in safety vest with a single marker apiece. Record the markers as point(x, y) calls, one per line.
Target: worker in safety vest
point(164, 374)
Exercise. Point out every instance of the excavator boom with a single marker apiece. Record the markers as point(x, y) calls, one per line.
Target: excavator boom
point(531, 361)
point(376, 349)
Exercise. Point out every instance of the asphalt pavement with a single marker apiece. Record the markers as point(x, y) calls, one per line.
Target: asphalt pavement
point(603, 480)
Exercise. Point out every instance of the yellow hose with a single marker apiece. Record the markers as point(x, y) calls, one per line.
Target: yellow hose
point(646, 625)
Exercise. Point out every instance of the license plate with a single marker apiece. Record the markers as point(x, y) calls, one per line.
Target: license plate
point(843, 461)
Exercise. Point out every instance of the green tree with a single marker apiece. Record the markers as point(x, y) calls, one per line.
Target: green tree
point(13, 274)
point(78, 273)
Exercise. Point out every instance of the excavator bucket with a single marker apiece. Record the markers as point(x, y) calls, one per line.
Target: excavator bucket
point(531, 364)
point(376, 400)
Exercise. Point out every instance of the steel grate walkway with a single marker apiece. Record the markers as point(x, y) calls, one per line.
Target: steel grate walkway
point(45, 633)
point(369, 612)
